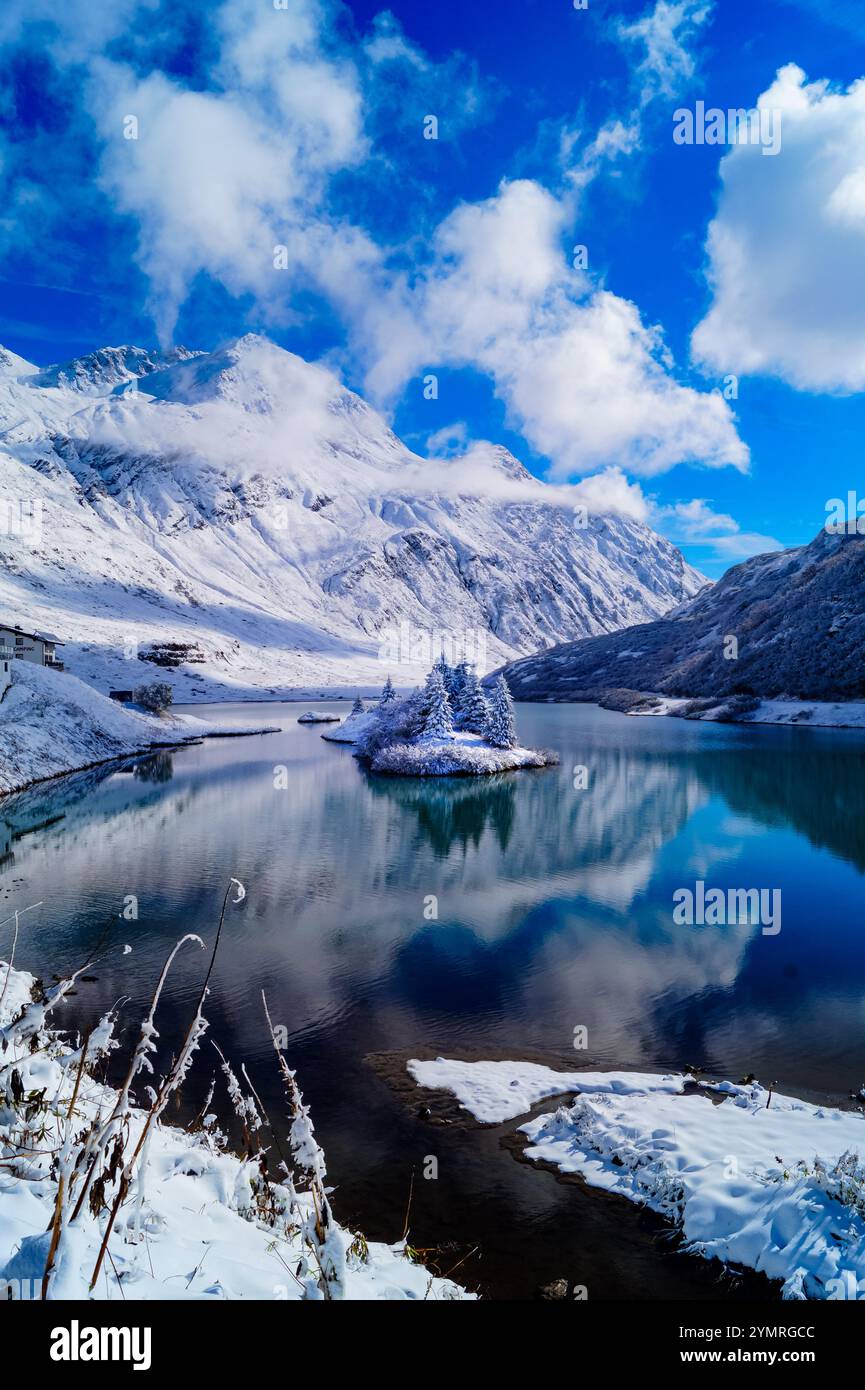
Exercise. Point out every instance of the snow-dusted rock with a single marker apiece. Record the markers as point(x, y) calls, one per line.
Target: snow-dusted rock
point(317, 717)
point(352, 728)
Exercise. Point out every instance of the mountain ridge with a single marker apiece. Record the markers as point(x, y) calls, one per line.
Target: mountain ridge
point(246, 503)
point(788, 625)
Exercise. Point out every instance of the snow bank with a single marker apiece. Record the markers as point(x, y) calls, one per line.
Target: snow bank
point(352, 728)
point(315, 717)
point(773, 1183)
point(846, 714)
point(16, 990)
point(497, 1091)
point(198, 1225)
point(51, 723)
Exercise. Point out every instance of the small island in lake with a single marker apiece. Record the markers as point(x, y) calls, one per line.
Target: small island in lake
point(313, 716)
point(450, 726)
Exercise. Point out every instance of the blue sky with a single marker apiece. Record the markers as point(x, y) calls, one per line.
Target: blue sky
point(300, 124)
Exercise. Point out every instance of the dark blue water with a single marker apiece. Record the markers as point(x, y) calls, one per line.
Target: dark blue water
point(554, 911)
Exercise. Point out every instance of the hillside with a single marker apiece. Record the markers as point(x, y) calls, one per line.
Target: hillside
point(798, 618)
point(51, 723)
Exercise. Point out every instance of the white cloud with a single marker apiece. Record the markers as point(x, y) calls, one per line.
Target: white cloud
point(217, 179)
point(449, 441)
point(695, 523)
point(787, 246)
point(662, 38)
point(222, 173)
point(584, 379)
point(486, 470)
point(664, 35)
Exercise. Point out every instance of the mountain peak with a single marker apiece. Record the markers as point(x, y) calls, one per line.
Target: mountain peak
point(249, 372)
point(13, 365)
point(250, 341)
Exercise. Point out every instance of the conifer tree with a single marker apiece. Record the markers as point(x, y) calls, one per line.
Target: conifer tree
point(439, 718)
point(474, 711)
point(501, 729)
point(388, 694)
point(357, 707)
point(447, 674)
point(460, 672)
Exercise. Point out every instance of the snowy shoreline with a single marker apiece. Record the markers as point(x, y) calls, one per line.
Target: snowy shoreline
point(746, 1176)
point(52, 724)
point(805, 714)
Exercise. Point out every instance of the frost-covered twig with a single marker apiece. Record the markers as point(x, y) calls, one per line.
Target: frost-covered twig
point(320, 1230)
point(175, 1078)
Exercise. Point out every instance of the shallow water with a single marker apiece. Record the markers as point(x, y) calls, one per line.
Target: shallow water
point(554, 911)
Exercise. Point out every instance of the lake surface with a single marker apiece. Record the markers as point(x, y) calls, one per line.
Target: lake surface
point(555, 911)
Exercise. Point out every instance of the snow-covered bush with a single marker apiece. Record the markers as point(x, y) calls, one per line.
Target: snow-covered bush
point(843, 1180)
point(399, 721)
point(156, 697)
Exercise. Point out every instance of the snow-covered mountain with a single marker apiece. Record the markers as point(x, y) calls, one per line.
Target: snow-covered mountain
point(787, 625)
point(107, 368)
point(241, 522)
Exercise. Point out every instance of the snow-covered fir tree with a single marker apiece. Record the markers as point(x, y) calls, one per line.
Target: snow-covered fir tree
point(388, 694)
point(460, 672)
point(473, 712)
point(357, 707)
point(439, 718)
point(447, 673)
point(501, 729)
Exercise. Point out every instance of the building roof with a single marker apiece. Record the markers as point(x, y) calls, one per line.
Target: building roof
point(39, 636)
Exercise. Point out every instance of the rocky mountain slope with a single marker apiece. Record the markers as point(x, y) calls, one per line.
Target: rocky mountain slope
point(788, 625)
point(240, 523)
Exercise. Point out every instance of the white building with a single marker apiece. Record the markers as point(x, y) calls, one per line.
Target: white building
point(39, 647)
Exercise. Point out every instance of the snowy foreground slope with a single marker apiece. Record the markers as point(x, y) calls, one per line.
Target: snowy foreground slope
point(767, 1182)
point(798, 622)
point(51, 723)
point(246, 526)
point(199, 1223)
